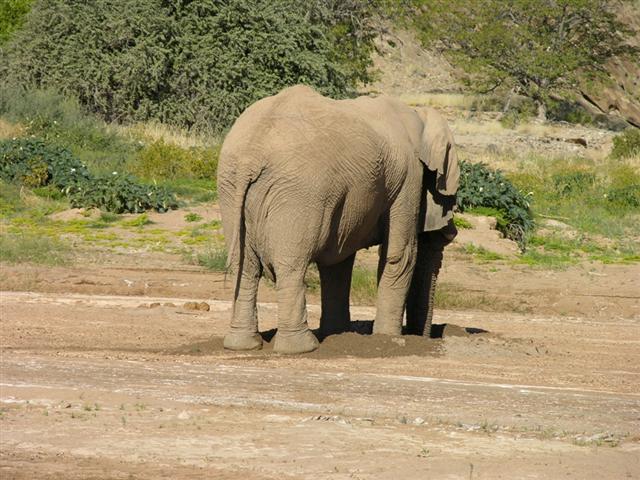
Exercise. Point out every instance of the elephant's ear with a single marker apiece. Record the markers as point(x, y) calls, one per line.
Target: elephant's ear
point(438, 152)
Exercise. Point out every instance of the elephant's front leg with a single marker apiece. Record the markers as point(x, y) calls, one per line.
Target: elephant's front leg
point(397, 261)
point(244, 318)
point(293, 334)
point(335, 286)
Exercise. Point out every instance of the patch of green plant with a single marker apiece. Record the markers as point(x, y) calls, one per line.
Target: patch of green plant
point(192, 217)
point(60, 120)
point(482, 254)
point(582, 200)
point(34, 163)
point(460, 222)
point(557, 251)
point(193, 191)
point(161, 160)
point(108, 217)
point(213, 258)
point(12, 16)
point(139, 221)
point(628, 196)
point(481, 186)
point(515, 116)
point(566, 183)
point(627, 144)
point(29, 248)
point(364, 285)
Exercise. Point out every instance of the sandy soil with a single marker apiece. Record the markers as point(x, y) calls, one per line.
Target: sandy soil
point(106, 374)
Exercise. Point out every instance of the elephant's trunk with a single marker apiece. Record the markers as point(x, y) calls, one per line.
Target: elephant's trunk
point(421, 298)
point(422, 294)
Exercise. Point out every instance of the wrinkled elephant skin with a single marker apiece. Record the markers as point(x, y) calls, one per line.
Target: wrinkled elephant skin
point(303, 178)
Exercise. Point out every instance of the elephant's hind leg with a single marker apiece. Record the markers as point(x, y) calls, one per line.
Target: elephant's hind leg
point(244, 317)
point(293, 334)
point(335, 286)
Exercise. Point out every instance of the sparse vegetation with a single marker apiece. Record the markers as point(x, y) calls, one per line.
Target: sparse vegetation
point(627, 144)
point(25, 247)
point(364, 285)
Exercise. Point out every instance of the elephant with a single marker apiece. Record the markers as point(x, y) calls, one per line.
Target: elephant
point(303, 178)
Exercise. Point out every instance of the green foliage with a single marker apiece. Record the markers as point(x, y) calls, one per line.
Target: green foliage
point(19, 248)
point(528, 46)
point(584, 203)
point(192, 217)
point(364, 285)
point(195, 64)
point(214, 258)
point(627, 144)
point(161, 160)
point(139, 221)
point(12, 16)
point(460, 222)
point(33, 163)
point(481, 186)
point(60, 120)
point(571, 181)
point(482, 254)
point(628, 196)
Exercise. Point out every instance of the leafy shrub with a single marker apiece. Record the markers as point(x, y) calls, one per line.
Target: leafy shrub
point(627, 144)
point(60, 120)
point(33, 163)
point(481, 186)
point(628, 196)
point(166, 161)
point(12, 14)
point(195, 64)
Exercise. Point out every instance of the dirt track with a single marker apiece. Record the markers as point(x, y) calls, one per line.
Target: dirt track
point(105, 387)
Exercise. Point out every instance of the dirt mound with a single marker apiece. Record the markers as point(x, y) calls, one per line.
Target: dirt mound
point(358, 344)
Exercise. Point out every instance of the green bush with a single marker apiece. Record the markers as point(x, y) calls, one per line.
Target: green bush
point(12, 15)
point(33, 163)
point(627, 144)
point(628, 196)
point(194, 64)
point(165, 161)
point(481, 186)
point(60, 120)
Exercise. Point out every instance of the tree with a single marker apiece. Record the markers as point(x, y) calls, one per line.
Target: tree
point(533, 47)
point(12, 14)
point(192, 63)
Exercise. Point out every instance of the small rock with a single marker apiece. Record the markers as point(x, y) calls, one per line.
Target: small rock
point(183, 415)
point(399, 341)
point(154, 305)
point(418, 421)
point(200, 306)
point(168, 304)
point(190, 306)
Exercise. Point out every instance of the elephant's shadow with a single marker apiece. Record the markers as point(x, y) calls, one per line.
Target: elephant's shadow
point(365, 327)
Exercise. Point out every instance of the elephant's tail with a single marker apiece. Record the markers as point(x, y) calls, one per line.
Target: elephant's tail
point(235, 255)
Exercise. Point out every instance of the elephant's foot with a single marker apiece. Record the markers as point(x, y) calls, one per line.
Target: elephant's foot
point(387, 328)
point(291, 343)
point(242, 341)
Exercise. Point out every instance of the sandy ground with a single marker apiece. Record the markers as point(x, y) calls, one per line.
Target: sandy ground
point(106, 375)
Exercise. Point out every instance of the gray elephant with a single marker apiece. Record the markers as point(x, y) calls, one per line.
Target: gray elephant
point(303, 178)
